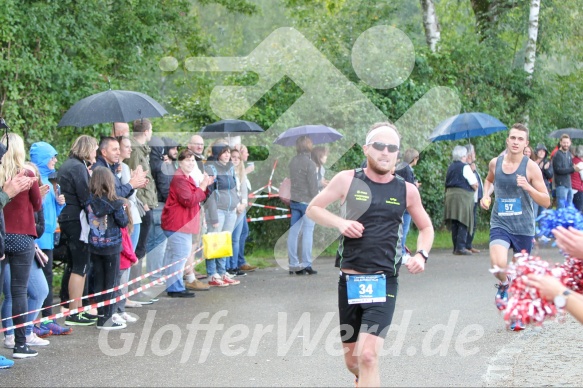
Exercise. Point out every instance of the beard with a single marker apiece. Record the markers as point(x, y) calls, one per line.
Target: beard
point(377, 168)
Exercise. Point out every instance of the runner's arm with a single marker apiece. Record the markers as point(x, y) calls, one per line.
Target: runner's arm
point(423, 223)
point(488, 185)
point(535, 186)
point(336, 190)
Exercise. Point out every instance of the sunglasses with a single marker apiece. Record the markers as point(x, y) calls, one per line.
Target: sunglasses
point(377, 145)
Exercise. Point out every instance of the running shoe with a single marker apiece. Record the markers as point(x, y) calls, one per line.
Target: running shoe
point(78, 320)
point(216, 281)
point(55, 328)
point(91, 317)
point(229, 281)
point(9, 341)
point(502, 296)
point(24, 352)
point(33, 340)
point(517, 325)
point(41, 332)
point(112, 326)
point(128, 318)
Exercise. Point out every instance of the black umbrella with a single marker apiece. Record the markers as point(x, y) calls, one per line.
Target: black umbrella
point(112, 106)
point(573, 133)
point(230, 127)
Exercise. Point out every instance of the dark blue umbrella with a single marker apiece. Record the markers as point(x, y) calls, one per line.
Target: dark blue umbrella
point(230, 127)
point(466, 125)
point(318, 133)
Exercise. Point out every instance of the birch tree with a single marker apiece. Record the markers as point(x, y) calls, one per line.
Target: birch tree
point(532, 37)
point(431, 24)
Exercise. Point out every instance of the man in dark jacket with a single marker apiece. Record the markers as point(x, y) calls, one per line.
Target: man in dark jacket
point(304, 187)
point(563, 168)
point(109, 157)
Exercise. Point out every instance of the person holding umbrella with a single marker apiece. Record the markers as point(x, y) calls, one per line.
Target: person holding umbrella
point(460, 185)
point(304, 187)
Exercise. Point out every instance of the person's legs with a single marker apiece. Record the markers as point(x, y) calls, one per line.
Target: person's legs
point(236, 237)
point(222, 262)
point(454, 233)
point(156, 244)
point(367, 350)
point(562, 193)
point(178, 245)
point(98, 279)
point(122, 278)
point(136, 270)
point(79, 254)
point(38, 290)
point(406, 225)
point(462, 233)
point(472, 233)
point(7, 303)
point(242, 240)
point(293, 235)
point(48, 272)
point(20, 265)
point(307, 240)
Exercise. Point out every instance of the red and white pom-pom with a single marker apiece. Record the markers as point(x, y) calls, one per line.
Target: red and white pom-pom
point(572, 274)
point(524, 302)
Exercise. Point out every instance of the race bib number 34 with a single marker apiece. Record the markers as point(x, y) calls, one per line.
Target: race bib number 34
point(366, 288)
point(509, 207)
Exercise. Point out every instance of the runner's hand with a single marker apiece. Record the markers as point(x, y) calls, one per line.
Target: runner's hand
point(352, 229)
point(416, 264)
point(485, 203)
point(522, 182)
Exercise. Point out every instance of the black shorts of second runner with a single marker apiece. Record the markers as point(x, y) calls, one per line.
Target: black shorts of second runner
point(372, 318)
point(519, 243)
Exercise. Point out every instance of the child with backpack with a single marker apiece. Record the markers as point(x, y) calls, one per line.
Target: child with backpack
point(106, 214)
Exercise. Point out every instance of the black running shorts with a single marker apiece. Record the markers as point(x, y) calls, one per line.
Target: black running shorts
point(372, 318)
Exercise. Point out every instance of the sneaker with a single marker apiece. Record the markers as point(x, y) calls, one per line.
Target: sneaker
point(109, 324)
point(229, 281)
point(517, 325)
point(117, 318)
point(91, 317)
point(232, 272)
point(24, 352)
point(132, 304)
point(41, 332)
point(9, 341)
point(238, 272)
point(181, 294)
point(230, 276)
point(33, 340)
point(502, 296)
point(247, 268)
point(78, 320)
point(5, 363)
point(55, 328)
point(128, 318)
point(310, 271)
point(216, 281)
point(197, 285)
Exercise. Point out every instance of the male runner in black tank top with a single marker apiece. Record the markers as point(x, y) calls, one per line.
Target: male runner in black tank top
point(369, 252)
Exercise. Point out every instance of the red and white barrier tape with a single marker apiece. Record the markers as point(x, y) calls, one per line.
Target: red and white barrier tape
point(268, 218)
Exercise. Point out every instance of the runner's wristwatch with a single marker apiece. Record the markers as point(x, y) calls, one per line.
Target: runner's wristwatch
point(423, 253)
point(561, 299)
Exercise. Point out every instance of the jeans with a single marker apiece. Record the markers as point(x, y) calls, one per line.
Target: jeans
point(140, 248)
point(227, 220)
point(105, 271)
point(177, 247)
point(135, 236)
point(122, 278)
point(37, 290)
point(48, 272)
point(564, 196)
point(406, 225)
point(233, 260)
point(300, 222)
point(156, 245)
point(20, 265)
point(244, 234)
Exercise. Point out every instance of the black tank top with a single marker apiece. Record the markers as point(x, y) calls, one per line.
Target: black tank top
point(379, 207)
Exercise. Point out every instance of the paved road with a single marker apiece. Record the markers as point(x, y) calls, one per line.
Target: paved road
point(281, 330)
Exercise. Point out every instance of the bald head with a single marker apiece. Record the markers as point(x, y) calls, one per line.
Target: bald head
point(121, 129)
point(196, 144)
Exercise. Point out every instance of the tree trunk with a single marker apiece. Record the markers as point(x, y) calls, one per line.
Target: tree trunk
point(431, 24)
point(532, 37)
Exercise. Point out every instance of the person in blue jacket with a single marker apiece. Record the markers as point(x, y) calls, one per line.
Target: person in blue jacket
point(44, 156)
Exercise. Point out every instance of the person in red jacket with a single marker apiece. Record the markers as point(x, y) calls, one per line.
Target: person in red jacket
point(20, 236)
point(180, 220)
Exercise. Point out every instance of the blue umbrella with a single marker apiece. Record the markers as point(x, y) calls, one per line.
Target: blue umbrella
point(318, 133)
point(466, 125)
